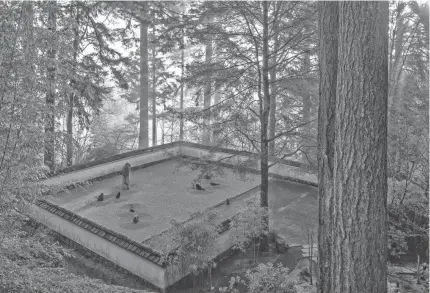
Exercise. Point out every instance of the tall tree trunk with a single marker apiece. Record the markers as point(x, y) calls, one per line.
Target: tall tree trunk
point(356, 196)
point(154, 97)
point(162, 129)
point(69, 122)
point(144, 82)
point(207, 97)
point(328, 26)
point(307, 141)
point(181, 122)
point(172, 127)
point(28, 46)
point(69, 125)
point(272, 119)
point(49, 154)
point(217, 118)
point(397, 79)
point(396, 69)
point(264, 116)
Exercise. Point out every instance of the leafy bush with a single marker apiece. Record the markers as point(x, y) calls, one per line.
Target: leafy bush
point(197, 240)
point(264, 278)
point(248, 225)
point(35, 264)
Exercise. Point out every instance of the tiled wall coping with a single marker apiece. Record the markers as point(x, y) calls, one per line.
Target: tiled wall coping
point(243, 153)
point(116, 157)
point(171, 145)
point(112, 236)
point(87, 252)
point(254, 171)
point(117, 173)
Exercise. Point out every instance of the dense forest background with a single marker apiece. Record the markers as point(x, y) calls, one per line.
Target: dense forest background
point(81, 81)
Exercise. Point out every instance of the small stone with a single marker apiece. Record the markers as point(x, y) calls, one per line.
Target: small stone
point(199, 187)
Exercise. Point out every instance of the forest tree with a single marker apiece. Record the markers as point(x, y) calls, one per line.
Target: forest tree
point(353, 146)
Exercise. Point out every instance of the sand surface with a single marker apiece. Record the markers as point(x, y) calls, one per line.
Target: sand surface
point(158, 194)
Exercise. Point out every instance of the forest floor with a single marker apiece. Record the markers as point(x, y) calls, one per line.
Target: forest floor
point(232, 266)
point(405, 275)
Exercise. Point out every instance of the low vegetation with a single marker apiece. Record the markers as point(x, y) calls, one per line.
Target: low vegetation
point(33, 262)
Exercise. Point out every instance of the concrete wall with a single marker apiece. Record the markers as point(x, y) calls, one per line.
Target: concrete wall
point(137, 265)
point(110, 167)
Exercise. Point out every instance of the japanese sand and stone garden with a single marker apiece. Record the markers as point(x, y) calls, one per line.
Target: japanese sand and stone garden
point(147, 225)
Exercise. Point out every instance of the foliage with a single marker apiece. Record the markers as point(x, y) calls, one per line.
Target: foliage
point(409, 219)
point(34, 263)
point(248, 225)
point(264, 279)
point(109, 135)
point(197, 240)
point(22, 109)
point(93, 70)
point(236, 65)
point(408, 137)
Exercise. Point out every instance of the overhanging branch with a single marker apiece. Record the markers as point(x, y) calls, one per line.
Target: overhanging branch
point(290, 131)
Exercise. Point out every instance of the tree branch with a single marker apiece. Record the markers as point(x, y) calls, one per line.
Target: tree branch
point(290, 131)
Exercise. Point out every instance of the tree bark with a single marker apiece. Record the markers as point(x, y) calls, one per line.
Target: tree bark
point(328, 26)
point(154, 97)
point(69, 125)
point(28, 44)
point(307, 141)
point(181, 122)
point(265, 109)
point(273, 87)
point(397, 76)
point(50, 95)
point(69, 122)
point(356, 260)
point(207, 97)
point(217, 112)
point(217, 118)
point(144, 82)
